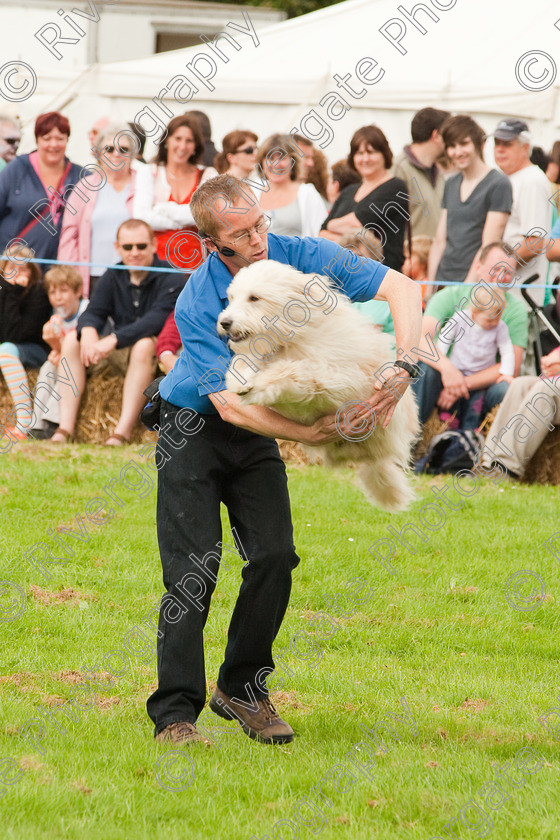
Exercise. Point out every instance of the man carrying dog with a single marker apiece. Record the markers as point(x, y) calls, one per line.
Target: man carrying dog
point(233, 458)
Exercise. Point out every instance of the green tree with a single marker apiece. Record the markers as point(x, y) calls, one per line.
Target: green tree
point(294, 8)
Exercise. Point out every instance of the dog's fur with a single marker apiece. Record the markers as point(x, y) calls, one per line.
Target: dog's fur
point(327, 362)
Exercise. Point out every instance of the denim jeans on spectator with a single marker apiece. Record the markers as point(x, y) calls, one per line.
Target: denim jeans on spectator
point(428, 386)
point(220, 463)
point(471, 411)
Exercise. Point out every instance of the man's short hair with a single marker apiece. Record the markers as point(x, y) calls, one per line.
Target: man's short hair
point(201, 206)
point(462, 127)
point(63, 275)
point(503, 246)
point(129, 224)
point(425, 122)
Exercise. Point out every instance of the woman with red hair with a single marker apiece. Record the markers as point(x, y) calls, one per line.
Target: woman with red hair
point(34, 187)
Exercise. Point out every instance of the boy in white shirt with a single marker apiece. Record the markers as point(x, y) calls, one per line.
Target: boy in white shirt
point(475, 346)
point(64, 288)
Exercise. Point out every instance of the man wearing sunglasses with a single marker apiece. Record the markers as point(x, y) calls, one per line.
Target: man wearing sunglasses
point(10, 138)
point(231, 456)
point(138, 301)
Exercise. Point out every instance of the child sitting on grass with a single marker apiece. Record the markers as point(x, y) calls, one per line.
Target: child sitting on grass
point(64, 288)
point(24, 307)
point(474, 350)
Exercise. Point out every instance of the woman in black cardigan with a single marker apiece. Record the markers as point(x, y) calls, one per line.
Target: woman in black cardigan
point(24, 309)
point(379, 202)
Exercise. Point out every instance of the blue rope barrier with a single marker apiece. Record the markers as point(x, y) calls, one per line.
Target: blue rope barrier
point(188, 271)
point(112, 265)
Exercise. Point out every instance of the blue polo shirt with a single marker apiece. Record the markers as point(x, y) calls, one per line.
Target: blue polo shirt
point(200, 369)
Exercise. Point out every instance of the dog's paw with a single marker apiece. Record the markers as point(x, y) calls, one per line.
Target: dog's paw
point(245, 395)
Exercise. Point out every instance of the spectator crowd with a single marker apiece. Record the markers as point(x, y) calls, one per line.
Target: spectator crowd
point(90, 271)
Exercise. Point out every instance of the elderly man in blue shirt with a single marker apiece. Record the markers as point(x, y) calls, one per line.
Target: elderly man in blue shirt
point(231, 456)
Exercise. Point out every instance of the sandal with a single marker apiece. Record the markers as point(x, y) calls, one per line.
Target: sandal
point(66, 436)
point(122, 441)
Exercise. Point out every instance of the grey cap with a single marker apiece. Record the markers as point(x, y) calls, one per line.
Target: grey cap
point(510, 129)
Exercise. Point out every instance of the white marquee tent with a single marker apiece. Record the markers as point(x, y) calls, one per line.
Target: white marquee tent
point(465, 61)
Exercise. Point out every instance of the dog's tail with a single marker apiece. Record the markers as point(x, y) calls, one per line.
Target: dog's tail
point(386, 485)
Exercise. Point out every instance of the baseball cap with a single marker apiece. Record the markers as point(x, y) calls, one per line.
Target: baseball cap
point(510, 129)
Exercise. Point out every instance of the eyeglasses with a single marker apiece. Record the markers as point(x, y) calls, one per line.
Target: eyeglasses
point(140, 245)
point(122, 151)
point(261, 227)
point(248, 151)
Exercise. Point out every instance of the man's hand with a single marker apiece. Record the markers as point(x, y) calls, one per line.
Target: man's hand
point(93, 348)
point(454, 382)
point(446, 399)
point(381, 405)
point(333, 427)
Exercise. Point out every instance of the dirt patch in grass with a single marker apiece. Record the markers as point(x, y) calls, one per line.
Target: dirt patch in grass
point(52, 699)
point(107, 703)
point(291, 699)
point(21, 678)
point(68, 676)
point(80, 785)
point(68, 594)
point(474, 704)
point(29, 762)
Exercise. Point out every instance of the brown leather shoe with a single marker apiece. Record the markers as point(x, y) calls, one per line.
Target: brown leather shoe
point(181, 732)
point(263, 723)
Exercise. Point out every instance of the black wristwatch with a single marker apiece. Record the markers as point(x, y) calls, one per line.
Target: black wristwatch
point(412, 370)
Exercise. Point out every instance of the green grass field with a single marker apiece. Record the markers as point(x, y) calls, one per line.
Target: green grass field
point(476, 672)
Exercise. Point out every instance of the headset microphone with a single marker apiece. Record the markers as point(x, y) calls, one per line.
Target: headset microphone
point(225, 251)
point(229, 252)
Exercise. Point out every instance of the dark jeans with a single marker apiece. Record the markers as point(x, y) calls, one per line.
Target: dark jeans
point(428, 387)
point(220, 463)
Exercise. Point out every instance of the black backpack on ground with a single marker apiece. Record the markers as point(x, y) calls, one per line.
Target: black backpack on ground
point(450, 452)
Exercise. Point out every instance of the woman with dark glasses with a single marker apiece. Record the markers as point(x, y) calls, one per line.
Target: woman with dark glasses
point(238, 155)
point(88, 227)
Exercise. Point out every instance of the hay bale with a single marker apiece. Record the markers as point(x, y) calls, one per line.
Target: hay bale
point(99, 409)
point(544, 468)
point(545, 465)
point(291, 452)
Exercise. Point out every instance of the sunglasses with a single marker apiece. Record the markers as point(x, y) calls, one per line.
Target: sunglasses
point(122, 151)
point(140, 245)
point(248, 151)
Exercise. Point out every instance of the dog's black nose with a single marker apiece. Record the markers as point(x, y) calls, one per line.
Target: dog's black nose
point(225, 323)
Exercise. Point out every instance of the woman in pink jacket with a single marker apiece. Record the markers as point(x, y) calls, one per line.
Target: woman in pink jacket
point(89, 226)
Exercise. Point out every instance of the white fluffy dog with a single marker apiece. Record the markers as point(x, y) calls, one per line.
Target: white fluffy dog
point(304, 350)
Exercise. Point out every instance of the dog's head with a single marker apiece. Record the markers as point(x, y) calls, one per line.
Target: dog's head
point(272, 299)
